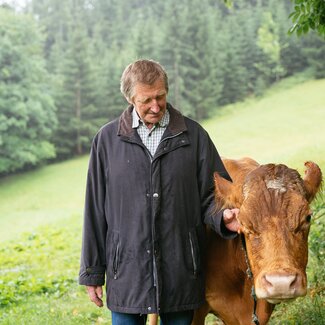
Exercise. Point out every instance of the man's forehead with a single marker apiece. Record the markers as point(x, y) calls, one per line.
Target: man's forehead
point(158, 88)
point(153, 93)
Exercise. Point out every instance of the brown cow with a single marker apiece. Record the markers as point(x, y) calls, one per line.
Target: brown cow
point(275, 220)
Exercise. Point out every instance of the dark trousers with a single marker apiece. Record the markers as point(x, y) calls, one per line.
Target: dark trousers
point(177, 318)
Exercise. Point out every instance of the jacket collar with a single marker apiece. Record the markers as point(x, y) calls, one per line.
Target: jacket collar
point(176, 124)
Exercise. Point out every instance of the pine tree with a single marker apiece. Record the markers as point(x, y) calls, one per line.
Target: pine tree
point(27, 116)
point(234, 72)
point(76, 101)
point(188, 55)
point(314, 50)
point(268, 41)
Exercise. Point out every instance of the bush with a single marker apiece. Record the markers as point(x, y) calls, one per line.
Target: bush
point(44, 262)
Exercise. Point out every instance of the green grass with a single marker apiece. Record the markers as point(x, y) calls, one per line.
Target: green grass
point(39, 279)
point(41, 211)
point(286, 125)
point(69, 309)
point(49, 194)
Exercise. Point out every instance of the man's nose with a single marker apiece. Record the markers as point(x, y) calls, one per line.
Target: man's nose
point(154, 106)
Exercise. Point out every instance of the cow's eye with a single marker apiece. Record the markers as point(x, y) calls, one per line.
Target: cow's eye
point(308, 218)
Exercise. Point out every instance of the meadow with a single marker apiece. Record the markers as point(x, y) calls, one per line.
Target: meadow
point(41, 211)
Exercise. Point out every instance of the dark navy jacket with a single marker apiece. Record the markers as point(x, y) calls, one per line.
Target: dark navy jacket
point(145, 220)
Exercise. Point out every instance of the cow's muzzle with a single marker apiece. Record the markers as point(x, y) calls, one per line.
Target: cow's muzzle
point(276, 287)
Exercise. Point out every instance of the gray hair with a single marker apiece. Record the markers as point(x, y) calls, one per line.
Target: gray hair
point(142, 71)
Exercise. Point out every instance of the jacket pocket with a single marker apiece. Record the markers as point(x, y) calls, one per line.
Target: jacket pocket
point(195, 254)
point(116, 260)
point(115, 253)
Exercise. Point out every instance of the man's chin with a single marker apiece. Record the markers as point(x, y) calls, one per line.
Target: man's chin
point(154, 120)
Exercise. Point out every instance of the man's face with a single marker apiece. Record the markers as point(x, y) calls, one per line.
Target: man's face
point(150, 101)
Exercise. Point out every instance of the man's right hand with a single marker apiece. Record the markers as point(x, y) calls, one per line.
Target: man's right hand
point(95, 294)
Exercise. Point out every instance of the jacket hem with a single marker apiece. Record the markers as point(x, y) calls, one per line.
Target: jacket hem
point(152, 310)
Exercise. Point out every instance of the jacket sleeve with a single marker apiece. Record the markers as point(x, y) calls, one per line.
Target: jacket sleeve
point(210, 162)
point(93, 261)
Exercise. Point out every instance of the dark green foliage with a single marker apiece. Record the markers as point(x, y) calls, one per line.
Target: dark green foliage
point(317, 243)
point(27, 115)
point(215, 54)
point(314, 51)
point(75, 102)
point(308, 14)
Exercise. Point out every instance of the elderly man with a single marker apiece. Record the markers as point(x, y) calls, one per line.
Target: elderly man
point(149, 197)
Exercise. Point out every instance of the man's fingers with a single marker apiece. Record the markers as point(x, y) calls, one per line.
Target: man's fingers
point(99, 292)
point(228, 215)
point(94, 298)
point(230, 219)
point(95, 293)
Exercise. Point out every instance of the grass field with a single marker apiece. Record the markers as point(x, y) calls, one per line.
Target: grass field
point(49, 194)
point(41, 211)
point(287, 125)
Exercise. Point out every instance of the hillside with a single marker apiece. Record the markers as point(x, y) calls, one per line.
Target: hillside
point(49, 194)
point(286, 125)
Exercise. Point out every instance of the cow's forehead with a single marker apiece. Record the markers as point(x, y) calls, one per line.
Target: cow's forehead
point(274, 191)
point(276, 184)
point(274, 177)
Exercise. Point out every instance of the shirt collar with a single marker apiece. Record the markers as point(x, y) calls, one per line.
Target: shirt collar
point(136, 120)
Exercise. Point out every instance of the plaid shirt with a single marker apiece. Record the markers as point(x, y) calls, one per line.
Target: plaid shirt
point(150, 137)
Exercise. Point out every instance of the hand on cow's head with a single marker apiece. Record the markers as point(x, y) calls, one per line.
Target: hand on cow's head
point(230, 219)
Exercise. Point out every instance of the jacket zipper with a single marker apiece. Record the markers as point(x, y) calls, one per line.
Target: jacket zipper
point(154, 266)
point(155, 273)
point(193, 255)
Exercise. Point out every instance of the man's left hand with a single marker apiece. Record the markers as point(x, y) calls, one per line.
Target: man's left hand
point(230, 219)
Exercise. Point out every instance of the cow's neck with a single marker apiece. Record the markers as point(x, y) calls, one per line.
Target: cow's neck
point(229, 260)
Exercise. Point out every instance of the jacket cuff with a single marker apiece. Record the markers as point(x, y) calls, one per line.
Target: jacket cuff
point(92, 275)
point(218, 225)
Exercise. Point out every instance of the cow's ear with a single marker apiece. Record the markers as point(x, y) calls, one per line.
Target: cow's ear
point(312, 180)
point(223, 187)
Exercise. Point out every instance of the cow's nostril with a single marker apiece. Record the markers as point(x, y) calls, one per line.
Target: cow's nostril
point(266, 282)
point(294, 282)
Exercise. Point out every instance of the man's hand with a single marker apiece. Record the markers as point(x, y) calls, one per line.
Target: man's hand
point(95, 294)
point(230, 219)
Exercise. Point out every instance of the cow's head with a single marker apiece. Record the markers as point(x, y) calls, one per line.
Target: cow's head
point(275, 220)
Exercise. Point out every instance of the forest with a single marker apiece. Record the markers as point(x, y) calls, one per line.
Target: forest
point(61, 62)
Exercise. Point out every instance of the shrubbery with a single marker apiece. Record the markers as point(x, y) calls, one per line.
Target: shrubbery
point(44, 262)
